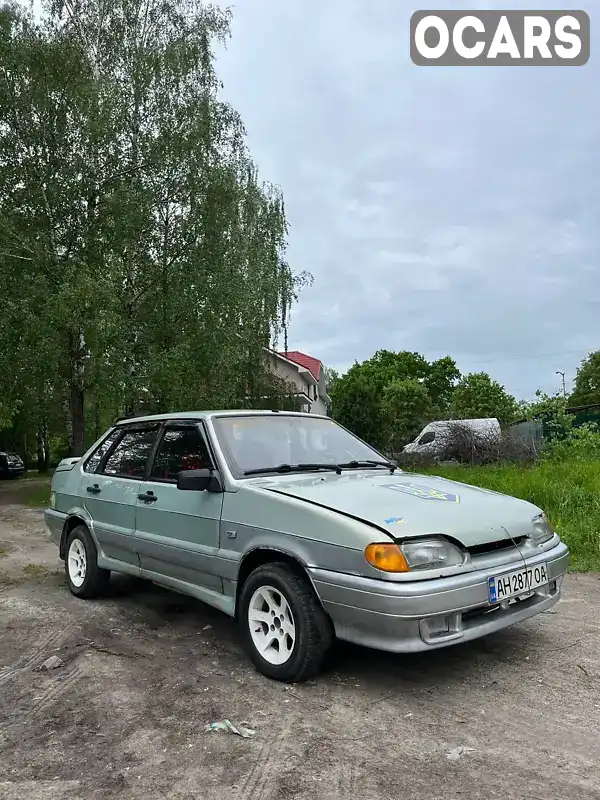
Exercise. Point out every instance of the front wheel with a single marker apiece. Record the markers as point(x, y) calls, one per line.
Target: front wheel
point(286, 630)
point(86, 579)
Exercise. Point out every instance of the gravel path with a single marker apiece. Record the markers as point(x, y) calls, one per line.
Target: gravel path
point(144, 670)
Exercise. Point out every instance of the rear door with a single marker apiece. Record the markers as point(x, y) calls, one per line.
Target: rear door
point(177, 532)
point(110, 492)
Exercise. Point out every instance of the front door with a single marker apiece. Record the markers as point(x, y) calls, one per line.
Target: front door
point(177, 532)
point(110, 493)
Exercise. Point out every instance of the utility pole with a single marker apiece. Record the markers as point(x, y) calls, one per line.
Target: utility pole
point(558, 372)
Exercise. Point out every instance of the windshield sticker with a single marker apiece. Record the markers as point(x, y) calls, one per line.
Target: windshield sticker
point(395, 521)
point(424, 492)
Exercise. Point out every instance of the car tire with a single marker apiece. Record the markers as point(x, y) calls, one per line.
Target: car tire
point(85, 578)
point(291, 616)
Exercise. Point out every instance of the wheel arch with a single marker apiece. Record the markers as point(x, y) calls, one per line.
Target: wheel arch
point(73, 521)
point(267, 554)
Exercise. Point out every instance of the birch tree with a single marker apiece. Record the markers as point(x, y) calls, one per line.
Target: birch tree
point(143, 259)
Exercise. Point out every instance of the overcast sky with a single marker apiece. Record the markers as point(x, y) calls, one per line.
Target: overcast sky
point(443, 210)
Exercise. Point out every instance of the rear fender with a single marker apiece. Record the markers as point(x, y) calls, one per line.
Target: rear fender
point(77, 515)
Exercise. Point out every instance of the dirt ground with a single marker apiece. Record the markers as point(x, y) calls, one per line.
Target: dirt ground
point(144, 671)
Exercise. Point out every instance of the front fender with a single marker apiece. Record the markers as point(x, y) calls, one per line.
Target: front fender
point(240, 541)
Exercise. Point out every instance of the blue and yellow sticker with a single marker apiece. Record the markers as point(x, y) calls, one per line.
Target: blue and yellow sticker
point(424, 492)
point(395, 521)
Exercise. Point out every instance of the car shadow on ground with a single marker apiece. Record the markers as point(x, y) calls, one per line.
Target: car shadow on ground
point(165, 613)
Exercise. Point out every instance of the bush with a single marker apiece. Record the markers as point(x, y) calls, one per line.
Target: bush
point(468, 446)
point(579, 444)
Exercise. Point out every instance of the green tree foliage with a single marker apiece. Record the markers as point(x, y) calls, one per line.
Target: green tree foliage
point(357, 406)
point(418, 390)
point(586, 388)
point(544, 403)
point(407, 406)
point(478, 396)
point(440, 379)
point(332, 376)
point(558, 425)
point(142, 260)
point(551, 410)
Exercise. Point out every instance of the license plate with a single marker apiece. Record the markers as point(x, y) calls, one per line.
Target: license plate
point(517, 583)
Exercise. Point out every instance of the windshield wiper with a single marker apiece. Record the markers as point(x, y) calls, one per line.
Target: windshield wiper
point(282, 468)
point(357, 464)
point(295, 468)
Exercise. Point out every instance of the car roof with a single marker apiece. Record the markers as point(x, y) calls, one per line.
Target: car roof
point(195, 415)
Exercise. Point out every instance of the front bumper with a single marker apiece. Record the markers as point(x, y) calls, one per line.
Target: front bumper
point(422, 615)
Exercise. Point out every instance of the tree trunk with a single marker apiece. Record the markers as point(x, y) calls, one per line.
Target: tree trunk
point(39, 442)
point(68, 422)
point(46, 445)
point(97, 430)
point(41, 434)
point(77, 447)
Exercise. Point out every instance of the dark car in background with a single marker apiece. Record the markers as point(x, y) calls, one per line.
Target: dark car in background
point(11, 465)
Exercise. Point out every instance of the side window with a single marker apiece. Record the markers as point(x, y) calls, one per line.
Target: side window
point(427, 438)
point(180, 449)
point(128, 460)
point(94, 460)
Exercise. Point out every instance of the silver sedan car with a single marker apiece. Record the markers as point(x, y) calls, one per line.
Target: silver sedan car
point(303, 533)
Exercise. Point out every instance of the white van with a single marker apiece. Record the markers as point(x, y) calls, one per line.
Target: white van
point(434, 437)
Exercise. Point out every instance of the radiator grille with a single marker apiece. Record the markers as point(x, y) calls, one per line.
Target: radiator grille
point(493, 547)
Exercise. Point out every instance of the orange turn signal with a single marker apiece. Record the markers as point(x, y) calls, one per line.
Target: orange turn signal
point(387, 557)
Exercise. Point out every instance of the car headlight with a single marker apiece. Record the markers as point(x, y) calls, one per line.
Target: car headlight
point(542, 530)
point(409, 556)
point(431, 553)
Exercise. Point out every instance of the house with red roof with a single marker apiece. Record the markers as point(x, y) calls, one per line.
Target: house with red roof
point(304, 372)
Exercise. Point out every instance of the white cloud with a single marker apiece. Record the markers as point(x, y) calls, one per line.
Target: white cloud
point(445, 210)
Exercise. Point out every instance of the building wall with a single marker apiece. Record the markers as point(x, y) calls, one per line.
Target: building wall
point(319, 407)
point(288, 372)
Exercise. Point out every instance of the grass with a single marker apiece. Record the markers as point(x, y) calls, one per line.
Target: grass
point(39, 571)
point(37, 497)
point(569, 493)
point(34, 475)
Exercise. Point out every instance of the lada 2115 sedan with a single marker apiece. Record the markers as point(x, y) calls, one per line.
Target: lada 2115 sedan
point(304, 533)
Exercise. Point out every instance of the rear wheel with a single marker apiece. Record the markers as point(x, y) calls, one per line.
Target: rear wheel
point(86, 579)
point(286, 630)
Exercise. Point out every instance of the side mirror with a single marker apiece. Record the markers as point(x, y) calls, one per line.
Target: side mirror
point(198, 480)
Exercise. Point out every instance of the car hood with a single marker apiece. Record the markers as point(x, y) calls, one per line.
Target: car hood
point(409, 505)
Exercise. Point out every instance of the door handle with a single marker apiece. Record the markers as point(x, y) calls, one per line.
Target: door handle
point(149, 497)
point(95, 489)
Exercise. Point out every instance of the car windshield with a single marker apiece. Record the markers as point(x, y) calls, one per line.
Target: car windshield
point(268, 443)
